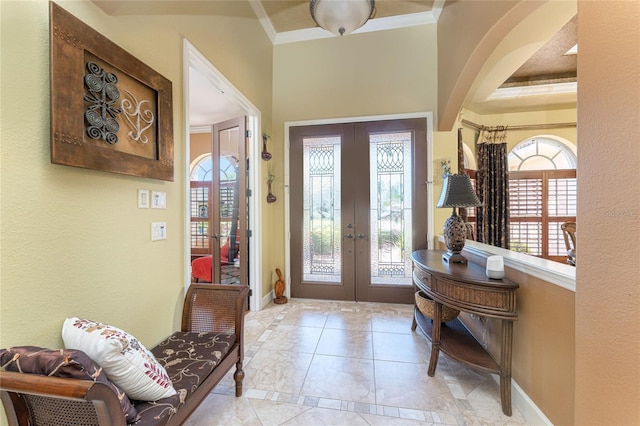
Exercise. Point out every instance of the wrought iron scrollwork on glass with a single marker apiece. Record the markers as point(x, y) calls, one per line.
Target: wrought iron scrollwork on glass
point(102, 95)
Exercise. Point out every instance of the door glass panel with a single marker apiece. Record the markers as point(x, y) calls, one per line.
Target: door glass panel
point(199, 207)
point(321, 242)
point(390, 186)
point(229, 207)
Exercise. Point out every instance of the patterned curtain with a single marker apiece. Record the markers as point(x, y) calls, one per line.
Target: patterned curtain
point(492, 185)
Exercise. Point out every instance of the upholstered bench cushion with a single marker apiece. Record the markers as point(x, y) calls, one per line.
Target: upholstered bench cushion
point(188, 359)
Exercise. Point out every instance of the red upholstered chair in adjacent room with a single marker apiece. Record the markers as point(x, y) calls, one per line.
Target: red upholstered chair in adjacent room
point(201, 267)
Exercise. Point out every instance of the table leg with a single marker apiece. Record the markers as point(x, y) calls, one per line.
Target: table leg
point(436, 324)
point(505, 366)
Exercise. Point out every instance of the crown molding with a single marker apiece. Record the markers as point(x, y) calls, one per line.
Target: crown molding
point(378, 24)
point(200, 129)
point(262, 16)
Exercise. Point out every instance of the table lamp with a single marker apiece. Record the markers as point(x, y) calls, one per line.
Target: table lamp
point(457, 191)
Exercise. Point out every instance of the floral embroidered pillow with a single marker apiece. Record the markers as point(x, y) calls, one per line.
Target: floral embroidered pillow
point(68, 363)
point(127, 363)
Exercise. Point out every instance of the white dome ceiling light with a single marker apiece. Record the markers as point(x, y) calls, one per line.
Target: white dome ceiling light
point(341, 17)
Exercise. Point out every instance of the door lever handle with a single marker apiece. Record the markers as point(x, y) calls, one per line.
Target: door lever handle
point(350, 236)
point(361, 235)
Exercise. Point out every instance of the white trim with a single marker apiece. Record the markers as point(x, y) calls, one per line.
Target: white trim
point(186, 252)
point(533, 90)
point(554, 138)
point(521, 401)
point(378, 24)
point(262, 16)
point(547, 270)
point(436, 9)
point(468, 155)
point(192, 58)
point(199, 129)
point(287, 202)
point(267, 298)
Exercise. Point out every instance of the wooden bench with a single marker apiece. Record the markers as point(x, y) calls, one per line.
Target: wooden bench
point(211, 313)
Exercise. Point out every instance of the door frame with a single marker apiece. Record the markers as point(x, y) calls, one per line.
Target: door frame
point(428, 116)
point(192, 58)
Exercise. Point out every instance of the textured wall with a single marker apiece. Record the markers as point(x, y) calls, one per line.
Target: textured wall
point(608, 288)
point(74, 242)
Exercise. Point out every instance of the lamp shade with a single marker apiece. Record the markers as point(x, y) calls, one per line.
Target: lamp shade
point(341, 17)
point(457, 191)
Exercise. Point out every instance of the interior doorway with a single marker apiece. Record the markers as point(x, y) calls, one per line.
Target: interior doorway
point(210, 94)
point(218, 206)
point(358, 208)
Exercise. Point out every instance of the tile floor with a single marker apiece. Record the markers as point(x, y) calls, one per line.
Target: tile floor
point(312, 362)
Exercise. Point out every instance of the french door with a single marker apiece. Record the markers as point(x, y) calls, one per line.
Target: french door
point(358, 209)
point(219, 210)
point(230, 218)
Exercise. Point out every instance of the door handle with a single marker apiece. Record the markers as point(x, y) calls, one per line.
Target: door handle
point(350, 236)
point(214, 236)
point(361, 235)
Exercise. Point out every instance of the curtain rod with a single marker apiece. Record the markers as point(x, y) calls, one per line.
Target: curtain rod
point(520, 127)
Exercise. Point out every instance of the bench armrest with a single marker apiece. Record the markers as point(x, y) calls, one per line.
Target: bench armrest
point(70, 396)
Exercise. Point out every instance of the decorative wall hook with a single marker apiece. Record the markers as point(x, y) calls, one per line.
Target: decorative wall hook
point(270, 178)
point(266, 155)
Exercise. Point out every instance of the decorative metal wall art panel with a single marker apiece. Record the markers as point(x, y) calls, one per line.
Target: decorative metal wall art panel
point(109, 111)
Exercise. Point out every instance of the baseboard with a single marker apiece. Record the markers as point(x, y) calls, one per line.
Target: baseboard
point(267, 298)
point(520, 400)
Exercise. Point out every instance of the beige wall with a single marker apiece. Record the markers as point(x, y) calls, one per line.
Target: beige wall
point(607, 314)
point(200, 144)
point(515, 136)
point(366, 74)
point(445, 151)
point(608, 288)
point(503, 34)
point(73, 240)
point(297, 68)
point(543, 346)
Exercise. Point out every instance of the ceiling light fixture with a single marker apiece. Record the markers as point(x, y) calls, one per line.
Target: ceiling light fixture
point(341, 17)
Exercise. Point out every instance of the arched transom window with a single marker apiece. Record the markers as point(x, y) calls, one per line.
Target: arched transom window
point(541, 154)
point(201, 171)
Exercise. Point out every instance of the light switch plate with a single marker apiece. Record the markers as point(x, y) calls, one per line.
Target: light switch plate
point(158, 200)
point(158, 231)
point(143, 198)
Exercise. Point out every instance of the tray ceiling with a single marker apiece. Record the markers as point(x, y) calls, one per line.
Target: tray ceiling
point(546, 80)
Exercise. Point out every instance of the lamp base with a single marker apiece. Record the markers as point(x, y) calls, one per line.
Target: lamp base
point(455, 232)
point(454, 257)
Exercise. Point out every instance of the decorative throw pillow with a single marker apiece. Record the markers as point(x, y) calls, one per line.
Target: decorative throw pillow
point(127, 363)
point(67, 363)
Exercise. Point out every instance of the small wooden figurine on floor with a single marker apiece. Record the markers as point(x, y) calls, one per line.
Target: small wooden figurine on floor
point(278, 289)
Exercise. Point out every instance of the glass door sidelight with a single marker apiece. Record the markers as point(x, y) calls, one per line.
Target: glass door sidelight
point(359, 209)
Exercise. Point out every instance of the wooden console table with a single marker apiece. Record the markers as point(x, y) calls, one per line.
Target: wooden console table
point(466, 288)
